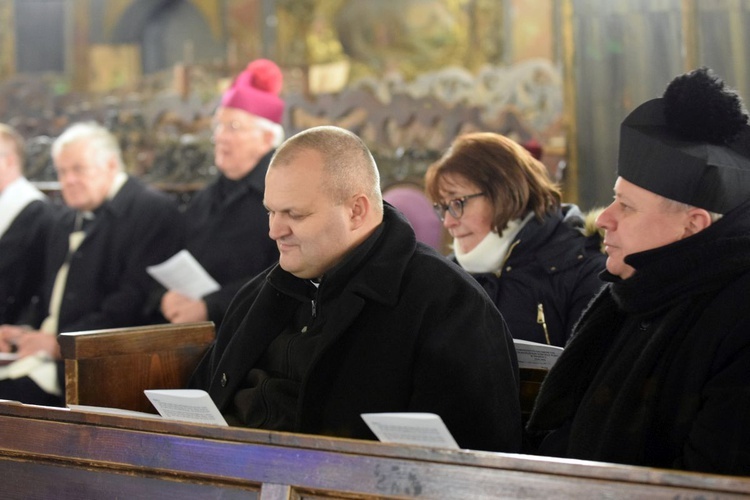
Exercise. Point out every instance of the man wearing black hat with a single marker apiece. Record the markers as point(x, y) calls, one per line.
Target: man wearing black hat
point(657, 372)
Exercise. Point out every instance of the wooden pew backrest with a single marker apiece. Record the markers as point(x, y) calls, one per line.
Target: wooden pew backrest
point(52, 453)
point(113, 367)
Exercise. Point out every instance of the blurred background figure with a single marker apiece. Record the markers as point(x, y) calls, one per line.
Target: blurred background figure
point(114, 226)
point(533, 255)
point(227, 224)
point(411, 201)
point(25, 219)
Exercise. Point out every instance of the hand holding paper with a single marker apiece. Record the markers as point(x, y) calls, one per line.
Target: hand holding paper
point(183, 274)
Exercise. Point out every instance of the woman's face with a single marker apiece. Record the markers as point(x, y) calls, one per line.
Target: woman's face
point(475, 223)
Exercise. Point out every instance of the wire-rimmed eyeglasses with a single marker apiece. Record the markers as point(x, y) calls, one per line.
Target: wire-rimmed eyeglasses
point(231, 126)
point(455, 207)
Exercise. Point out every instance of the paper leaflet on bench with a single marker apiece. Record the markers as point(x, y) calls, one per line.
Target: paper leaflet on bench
point(184, 405)
point(183, 274)
point(425, 429)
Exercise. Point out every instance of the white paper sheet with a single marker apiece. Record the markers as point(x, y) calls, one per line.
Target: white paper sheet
point(186, 405)
point(425, 429)
point(183, 274)
point(112, 411)
point(535, 355)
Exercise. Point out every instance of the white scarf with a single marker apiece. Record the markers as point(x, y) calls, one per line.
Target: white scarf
point(490, 253)
point(14, 198)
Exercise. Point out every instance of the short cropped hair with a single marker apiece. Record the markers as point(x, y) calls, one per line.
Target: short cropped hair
point(678, 206)
point(104, 145)
point(348, 163)
point(514, 181)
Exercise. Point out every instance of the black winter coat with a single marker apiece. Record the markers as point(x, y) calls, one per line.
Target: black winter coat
point(108, 286)
point(404, 331)
point(658, 370)
point(22, 257)
point(548, 278)
point(228, 235)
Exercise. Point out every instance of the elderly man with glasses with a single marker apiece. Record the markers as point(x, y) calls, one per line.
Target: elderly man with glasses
point(227, 226)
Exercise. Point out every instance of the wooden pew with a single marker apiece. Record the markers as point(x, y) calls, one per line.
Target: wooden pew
point(54, 453)
point(112, 367)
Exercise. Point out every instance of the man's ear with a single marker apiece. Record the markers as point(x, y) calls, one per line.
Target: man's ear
point(112, 165)
point(267, 137)
point(360, 210)
point(698, 220)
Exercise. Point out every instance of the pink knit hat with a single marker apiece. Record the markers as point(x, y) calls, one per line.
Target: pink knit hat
point(256, 90)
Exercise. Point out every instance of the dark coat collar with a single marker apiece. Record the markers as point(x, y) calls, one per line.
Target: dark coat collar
point(704, 262)
point(255, 180)
point(373, 279)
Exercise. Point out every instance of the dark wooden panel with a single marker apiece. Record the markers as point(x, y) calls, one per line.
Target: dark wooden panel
point(112, 342)
point(112, 367)
point(87, 446)
point(28, 480)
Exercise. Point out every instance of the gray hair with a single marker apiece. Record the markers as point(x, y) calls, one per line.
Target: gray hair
point(678, 206)
point(348, 163)
point(276, 129)
point(102, 143)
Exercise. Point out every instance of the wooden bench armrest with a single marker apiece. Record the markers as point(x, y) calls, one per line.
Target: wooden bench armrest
point(113, 367)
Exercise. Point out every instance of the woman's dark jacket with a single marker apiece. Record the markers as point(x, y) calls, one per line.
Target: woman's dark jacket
point(404, 330)
point(549, 276)
point(658, 370)
point(227, 232)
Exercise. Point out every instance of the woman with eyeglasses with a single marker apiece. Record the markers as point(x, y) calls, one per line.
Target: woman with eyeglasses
point(532, 254)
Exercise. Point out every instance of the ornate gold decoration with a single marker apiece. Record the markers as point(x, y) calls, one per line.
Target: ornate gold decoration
point(7, 39)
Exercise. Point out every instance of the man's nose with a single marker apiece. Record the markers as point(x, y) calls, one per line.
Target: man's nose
point(276, 228)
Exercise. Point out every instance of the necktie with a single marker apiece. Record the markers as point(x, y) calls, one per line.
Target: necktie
point(83, 224)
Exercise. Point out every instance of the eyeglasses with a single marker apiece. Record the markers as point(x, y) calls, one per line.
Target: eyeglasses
point(455, 207)
point(77, 170)
point(232, 127)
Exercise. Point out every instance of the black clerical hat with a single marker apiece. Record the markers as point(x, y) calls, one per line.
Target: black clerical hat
point(692, 145)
